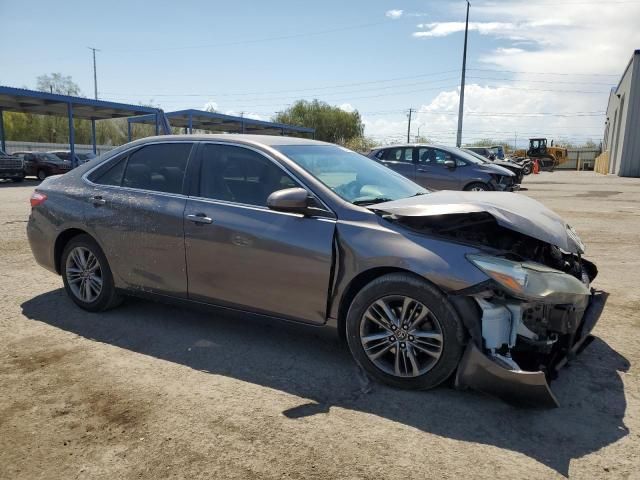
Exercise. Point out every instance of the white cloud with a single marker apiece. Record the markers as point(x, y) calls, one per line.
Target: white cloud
point(393, 14)
point(347, 107)
point(508, 51)
point(442, 29)
point(500, 113)
point(592, 37)
point(252, 115)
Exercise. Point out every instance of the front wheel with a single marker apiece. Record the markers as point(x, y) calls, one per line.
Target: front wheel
point(404, 332)
point(477, 187)
point(42, 174)
point(526, 169)
point(86, 275)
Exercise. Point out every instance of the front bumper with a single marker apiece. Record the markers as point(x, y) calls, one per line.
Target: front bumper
point(480, 372)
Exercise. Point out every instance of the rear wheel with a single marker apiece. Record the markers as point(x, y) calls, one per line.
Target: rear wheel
point(477, 187)
point(404, 332)
point(18, 179)
point(86, 275)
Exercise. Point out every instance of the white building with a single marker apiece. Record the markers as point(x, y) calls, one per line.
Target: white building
point(622, 127)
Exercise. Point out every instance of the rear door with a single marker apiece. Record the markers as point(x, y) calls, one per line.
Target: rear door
point(431, 172)
point(399, 159)
point(242, 254)
point(136, 212)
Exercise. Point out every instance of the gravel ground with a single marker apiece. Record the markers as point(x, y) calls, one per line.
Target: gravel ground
point(152, 391)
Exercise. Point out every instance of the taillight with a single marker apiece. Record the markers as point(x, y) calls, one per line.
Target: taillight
point(37, 198)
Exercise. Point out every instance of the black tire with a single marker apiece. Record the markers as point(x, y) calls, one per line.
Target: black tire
point(18, 179)
point(404, 284)
point(526, 169)
point(108, 297)
point(478, 186)
point(42, 175)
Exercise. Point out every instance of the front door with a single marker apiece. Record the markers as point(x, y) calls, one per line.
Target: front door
point(431, 171)
point(242, 254)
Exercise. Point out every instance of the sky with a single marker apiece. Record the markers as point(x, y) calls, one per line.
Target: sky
point(534, 68)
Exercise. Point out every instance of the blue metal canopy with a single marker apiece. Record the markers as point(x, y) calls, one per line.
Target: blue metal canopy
point(219, 122)
point(44, 103)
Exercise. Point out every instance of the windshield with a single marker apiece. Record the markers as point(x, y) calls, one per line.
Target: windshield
point(50, 157)
point(473, 156)
point(354, 177)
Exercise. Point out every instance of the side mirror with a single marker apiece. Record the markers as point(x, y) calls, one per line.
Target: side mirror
point(294, 200)
point(450, 164)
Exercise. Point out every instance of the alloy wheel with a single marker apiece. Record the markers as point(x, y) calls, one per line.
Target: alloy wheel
point(401, 336)
point(84, 274)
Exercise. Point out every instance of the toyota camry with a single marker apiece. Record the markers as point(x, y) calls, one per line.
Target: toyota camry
point(490, 289)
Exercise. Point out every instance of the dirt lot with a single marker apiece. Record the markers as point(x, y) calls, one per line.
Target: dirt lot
point(150, 391)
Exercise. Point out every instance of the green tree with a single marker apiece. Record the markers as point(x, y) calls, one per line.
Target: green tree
point(58, 83)
point(331, 123)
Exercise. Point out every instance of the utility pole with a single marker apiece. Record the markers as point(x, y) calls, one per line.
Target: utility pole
point(515, 141)
point(464, 70)
point(95, 76)
point(409, 126)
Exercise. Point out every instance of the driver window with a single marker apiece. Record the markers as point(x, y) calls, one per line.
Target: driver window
point(240, 175)
point(426, 156)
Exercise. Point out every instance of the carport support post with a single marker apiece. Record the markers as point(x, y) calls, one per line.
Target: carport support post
point(72, 136)
point(129, 129)
point(157, 126)
point(2, 144)
point(190, 124)
point(282, 132)
point(93, 134)
point(244, 130)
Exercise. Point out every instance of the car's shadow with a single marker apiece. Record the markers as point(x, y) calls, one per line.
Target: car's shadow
point(311, 363)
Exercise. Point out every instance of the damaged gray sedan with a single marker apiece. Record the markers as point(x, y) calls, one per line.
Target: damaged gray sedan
point(489, 288)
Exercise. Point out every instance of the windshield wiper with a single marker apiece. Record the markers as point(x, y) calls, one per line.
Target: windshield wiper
point(371, 201)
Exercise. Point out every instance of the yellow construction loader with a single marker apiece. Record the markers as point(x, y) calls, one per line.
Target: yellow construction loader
point(548, 157)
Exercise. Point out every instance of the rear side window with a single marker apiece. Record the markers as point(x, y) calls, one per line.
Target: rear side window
point(113, 175)
point(398, 155)
point(159, 168)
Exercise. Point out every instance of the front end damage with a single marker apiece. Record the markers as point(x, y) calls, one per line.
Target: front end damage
point(536, 310)
point(523, 345)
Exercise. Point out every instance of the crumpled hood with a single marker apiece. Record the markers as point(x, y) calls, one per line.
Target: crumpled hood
point(495, 169)
point(511, 210)
point(507, 165)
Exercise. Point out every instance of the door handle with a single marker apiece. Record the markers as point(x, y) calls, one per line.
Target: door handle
point(422, 169)
point(97, 200)
point(199, 218)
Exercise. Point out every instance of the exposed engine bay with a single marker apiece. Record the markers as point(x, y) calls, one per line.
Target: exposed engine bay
point(482, 229)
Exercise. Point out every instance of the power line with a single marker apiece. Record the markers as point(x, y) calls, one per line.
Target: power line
point(256, 40)
point(547, 73)
point(291, 90)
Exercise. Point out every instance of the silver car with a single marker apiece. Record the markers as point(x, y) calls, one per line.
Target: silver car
point(490, 288)
point(445, 168)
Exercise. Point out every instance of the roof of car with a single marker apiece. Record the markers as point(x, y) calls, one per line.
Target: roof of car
point(405, 145)
point(270, 140)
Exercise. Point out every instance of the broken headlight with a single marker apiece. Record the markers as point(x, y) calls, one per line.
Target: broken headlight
point(531, 281)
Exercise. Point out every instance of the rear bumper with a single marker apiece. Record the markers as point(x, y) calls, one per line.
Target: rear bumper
point(480, 372)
